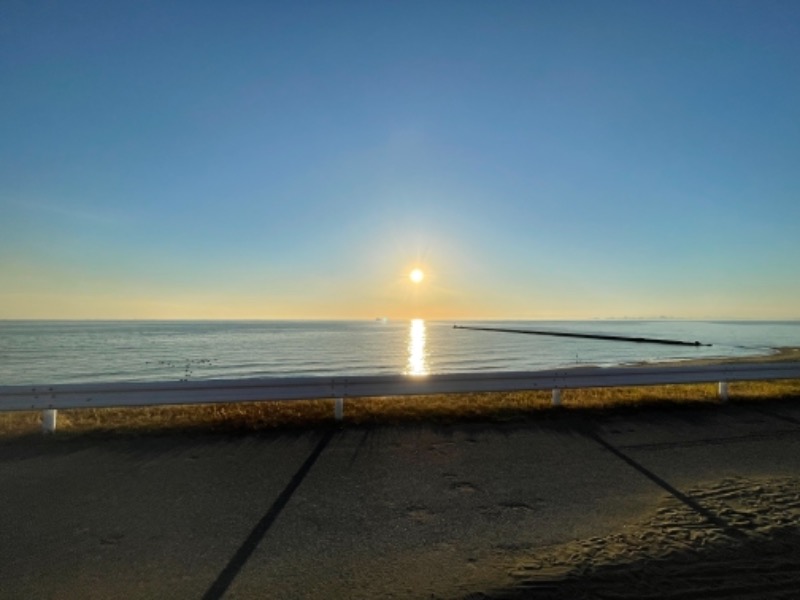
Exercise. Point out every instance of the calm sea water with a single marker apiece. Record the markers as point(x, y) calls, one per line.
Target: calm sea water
point(47, 352)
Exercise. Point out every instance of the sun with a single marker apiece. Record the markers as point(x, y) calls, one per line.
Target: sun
point(416, 275)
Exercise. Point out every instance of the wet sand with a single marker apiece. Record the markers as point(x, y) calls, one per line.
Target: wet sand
point(783, 354)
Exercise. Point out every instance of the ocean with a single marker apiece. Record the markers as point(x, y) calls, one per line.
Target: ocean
point(53, 352)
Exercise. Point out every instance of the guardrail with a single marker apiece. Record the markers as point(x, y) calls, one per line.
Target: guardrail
point(50, 398)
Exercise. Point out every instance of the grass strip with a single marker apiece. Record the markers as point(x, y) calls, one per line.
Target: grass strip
point(443, 408)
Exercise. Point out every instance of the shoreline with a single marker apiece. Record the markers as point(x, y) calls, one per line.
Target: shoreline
point(251, 417)
point(779, 354)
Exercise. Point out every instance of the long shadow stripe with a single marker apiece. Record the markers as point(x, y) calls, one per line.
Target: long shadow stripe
point(693, 504)
point(229, 573)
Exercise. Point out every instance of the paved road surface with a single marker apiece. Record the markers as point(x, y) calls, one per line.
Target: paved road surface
point(383, 512)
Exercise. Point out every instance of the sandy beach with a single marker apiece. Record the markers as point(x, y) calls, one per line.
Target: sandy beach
point(740, 541)
point(787, 354)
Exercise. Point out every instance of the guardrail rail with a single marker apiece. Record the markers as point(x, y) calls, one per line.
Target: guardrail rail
point(50, 398)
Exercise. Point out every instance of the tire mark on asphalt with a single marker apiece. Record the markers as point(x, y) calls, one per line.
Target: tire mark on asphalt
point(775, 415)
point(360, 446)
point(242, 555)
point(716, 520)
point(731, 439)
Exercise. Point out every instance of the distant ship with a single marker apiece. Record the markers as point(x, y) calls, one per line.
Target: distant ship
point(382, 319)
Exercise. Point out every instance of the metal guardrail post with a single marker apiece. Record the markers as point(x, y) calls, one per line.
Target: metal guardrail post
point(49, 418)
point(723, 391)
point(556, 397)
point(338, 409)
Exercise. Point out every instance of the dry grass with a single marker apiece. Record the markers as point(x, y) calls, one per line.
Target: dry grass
point(257, 416)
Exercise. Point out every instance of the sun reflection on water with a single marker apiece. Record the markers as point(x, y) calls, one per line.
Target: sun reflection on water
point(417, 353)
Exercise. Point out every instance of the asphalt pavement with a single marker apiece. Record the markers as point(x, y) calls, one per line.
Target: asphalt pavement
point(417, 511)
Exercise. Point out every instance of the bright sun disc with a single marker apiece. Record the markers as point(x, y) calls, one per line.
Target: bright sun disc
point(416, 275)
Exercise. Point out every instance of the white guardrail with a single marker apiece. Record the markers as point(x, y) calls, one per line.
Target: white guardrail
point(50, 398)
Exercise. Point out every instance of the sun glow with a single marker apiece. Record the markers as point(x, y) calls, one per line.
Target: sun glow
point(416, 275)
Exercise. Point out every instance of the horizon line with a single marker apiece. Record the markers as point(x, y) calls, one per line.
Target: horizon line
point(384, 319)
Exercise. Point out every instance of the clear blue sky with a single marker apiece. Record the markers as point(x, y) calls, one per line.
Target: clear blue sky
point(296, 160)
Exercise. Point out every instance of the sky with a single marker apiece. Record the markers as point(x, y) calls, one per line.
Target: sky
point(270, 160)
